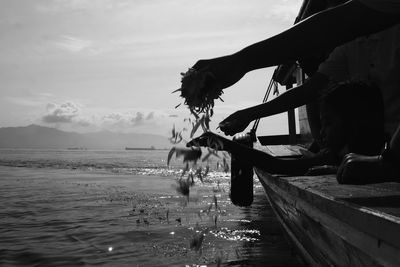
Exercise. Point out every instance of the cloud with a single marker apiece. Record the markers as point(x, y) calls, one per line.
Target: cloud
point(150, 116)
point(64, 113)
point(69, 115)
point(113, 117)
point(126, 120)
point(72, 44)
point(138, 119)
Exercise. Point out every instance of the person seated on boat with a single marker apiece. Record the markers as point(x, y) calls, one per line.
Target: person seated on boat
point(358, 105)
point(361, 169)
point(351, 127)
point(375, 60)
point(361, 67)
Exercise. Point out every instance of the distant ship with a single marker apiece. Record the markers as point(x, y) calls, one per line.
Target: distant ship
point(77, 148)
point(140, 148)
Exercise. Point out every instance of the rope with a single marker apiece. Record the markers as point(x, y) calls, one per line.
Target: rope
point(272, 83)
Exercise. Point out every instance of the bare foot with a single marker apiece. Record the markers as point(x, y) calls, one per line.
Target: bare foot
point(360, 169)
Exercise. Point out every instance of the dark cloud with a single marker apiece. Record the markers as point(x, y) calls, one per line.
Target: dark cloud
point(150, 116)
point(113, 117)
point(138, 119)
point(63, 113)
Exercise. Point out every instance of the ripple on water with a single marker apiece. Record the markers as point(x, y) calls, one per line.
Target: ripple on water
point(70, 218)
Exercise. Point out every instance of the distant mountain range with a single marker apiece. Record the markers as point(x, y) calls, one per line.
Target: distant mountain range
point(35, 136)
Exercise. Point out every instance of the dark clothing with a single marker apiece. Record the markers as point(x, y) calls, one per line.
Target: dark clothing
point(352, 118)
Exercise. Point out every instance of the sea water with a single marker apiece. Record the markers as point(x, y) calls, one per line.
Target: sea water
point(121, 208)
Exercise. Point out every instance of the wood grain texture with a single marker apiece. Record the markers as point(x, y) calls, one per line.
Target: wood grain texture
point(338, 225)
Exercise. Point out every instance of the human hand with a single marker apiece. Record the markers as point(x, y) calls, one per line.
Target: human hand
point(208, 139)
point(235, 123)
point(227, 70)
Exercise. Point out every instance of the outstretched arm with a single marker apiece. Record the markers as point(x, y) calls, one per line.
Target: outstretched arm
point(327, 29)
point(293, 98)
point(321, 31)
point(259, 158)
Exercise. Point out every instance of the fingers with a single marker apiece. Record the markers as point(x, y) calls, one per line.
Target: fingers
point(344, 165)
point(227, 128)
point(231, 129)
point(231, 126)
point(202, 140)
point(208, 139)
point(195, 142)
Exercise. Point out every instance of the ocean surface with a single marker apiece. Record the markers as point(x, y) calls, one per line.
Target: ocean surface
point(122, 208)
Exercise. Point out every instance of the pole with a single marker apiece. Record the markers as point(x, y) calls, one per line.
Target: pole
point(291, 122)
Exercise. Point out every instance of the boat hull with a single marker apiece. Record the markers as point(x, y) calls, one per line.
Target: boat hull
point(330, 229)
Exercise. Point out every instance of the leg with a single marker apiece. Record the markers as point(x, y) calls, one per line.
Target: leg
point(261, 159)
point(360, 108)
point(313, 116)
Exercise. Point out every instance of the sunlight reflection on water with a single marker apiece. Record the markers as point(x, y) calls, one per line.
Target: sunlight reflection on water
point(70, 217)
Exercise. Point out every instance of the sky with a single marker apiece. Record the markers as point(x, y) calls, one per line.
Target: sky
point(90, 65)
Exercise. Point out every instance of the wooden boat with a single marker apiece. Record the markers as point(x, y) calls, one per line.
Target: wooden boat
point(330, 224)
point(337, 225)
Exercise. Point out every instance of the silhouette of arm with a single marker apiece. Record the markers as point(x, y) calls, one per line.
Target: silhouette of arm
point(319, 32)
point(324, 30)
point(291, 99)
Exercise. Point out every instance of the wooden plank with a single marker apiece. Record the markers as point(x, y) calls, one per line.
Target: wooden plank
point(319, 203)
point(383, 198)
point(298, 244)
point(327, 240)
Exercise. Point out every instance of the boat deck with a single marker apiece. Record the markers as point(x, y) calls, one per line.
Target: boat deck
point(337, 225)
point(381, 198)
